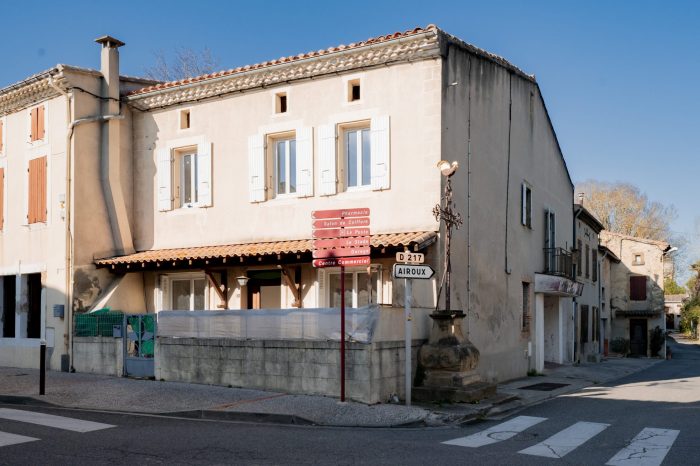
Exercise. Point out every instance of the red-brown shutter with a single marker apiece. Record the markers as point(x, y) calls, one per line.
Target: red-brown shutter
point(638, 288)
point(32, 117)
point(41, 129)
point(2, 197)
point(37, 191)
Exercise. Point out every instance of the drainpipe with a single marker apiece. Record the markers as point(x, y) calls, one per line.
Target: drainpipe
point(110, 150)
point(68, 339)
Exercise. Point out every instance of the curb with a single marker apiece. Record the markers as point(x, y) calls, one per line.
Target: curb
point(24, 400)
point(259, 418)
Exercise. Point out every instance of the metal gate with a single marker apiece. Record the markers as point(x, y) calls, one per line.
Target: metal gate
point(139, 343)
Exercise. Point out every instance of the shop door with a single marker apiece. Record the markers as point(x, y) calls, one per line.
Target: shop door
point(638, 337)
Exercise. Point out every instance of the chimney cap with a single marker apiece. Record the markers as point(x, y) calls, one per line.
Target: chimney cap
point(109, 41)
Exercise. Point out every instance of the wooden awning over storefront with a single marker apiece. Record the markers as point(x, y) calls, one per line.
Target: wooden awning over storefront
point(247, 253)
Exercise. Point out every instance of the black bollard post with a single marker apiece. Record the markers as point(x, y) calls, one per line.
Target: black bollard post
point(42, 368)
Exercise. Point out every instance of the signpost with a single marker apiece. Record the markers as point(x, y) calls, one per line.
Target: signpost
point(341, 238)
point(408, 272)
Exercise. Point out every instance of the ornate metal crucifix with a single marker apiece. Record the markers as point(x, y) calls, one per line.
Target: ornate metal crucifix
point(446, 212)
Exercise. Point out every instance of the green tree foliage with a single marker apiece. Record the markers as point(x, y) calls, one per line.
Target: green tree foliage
point(690, 315)
point(671, 287)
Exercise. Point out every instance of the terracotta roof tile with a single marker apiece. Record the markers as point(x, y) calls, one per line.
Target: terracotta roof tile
point(258, 249)
point(301, 56)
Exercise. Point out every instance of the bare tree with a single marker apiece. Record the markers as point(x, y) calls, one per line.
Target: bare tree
point(623, 208)
point(186, 63)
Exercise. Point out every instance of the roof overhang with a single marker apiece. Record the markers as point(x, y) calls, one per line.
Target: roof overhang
point(251, 253)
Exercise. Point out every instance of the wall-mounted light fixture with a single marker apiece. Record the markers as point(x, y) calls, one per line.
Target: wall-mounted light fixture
point(242, 280)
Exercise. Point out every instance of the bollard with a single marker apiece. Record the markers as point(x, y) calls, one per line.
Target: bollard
point(42, 368)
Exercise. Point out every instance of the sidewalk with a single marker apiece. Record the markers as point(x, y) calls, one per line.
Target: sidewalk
point(98, 392)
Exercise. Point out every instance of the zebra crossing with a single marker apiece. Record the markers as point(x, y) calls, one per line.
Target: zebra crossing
point(648, 448)
point(46, 420)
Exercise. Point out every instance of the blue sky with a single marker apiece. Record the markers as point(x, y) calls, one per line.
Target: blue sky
point(620, 78)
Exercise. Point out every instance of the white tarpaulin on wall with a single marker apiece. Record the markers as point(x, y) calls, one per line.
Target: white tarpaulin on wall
point(270, 324)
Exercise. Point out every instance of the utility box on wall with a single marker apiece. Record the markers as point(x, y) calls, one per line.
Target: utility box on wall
point(58, 310)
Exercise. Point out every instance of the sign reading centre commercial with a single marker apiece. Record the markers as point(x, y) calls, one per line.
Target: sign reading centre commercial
point(413, 271)
point(341, 237)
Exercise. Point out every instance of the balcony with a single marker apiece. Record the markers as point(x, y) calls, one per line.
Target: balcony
point(559, 262)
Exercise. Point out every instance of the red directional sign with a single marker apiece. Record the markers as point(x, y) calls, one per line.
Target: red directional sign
point(341, 222)
point(341, 242)
point(340, 213)
point(341, 252)
point(338, 261)
point(340, 232)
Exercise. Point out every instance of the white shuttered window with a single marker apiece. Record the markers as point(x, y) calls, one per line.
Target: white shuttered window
point(256, 168)
point(327, 160)
point(204, 175)
point(380, 153)
point(165, 191)
point(305, 162)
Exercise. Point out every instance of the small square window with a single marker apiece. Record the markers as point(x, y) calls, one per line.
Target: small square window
point(638, 259)
point(281, 102)
point(184, 119)
point(354, 90)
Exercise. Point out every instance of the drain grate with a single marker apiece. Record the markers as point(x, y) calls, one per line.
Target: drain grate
point(545, 386)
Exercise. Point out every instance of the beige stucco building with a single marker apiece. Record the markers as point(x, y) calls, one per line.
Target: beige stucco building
point(203, 192)
point(637, 289)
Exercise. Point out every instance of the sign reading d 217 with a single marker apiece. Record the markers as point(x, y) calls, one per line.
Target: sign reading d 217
point(423, 272)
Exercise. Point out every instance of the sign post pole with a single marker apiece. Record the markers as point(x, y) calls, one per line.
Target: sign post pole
point(407, 314)
point(342, 333)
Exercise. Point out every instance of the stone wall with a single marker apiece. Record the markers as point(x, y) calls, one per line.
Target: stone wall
point(98, 355)
point(373, 371)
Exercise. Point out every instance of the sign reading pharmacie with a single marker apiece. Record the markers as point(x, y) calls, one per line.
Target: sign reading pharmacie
point(341, 237)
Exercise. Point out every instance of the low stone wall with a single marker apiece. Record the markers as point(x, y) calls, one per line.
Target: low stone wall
point(374, 371)
point(98, 355)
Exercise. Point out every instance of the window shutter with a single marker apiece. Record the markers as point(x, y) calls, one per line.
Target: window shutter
point(40, 123)
point(165, 194)
point(204, 175)
point(305, 162)
point(380, 153)
point(327, 160)
point(2, 197)
point(41, 188)
point(546, 229)
point(33, 122)
point(256, 167)
point(523, 205)
point(1, 133)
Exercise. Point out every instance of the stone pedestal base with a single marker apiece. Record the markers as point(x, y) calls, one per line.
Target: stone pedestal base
point(450, 362)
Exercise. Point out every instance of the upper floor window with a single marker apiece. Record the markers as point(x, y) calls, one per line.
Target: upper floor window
point(638, 288)
point(36, 208)
point(594, 262)
point(285, 156)
point(2, 195)
point(638, 259)
point(579, 258)
point(526, 205)
point(354, 90)
point(358, 157)
point(280, 164)
point(37, 126)
point(588, 261)
point(184, 177)
point(2, 136)
point(364, 161)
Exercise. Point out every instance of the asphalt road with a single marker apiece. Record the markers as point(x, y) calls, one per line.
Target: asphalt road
point(603, 419)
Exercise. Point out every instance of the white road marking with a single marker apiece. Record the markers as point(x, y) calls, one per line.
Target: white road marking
point(60, 422)
point(648, 448)
point(567, 440)
point(11, 439)
point(497, 433)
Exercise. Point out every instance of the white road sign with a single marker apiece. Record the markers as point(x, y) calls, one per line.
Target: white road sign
point(411, 257)
point(413, 271)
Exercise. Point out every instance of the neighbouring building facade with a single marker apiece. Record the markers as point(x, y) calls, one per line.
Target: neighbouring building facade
point(588, 318)
point(673, 303)
point(636, 289)
point(201, 197)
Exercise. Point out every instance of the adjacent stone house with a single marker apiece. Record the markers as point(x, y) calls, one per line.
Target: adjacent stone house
point(637, 289)
point(673, 303)
point(202, 194)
